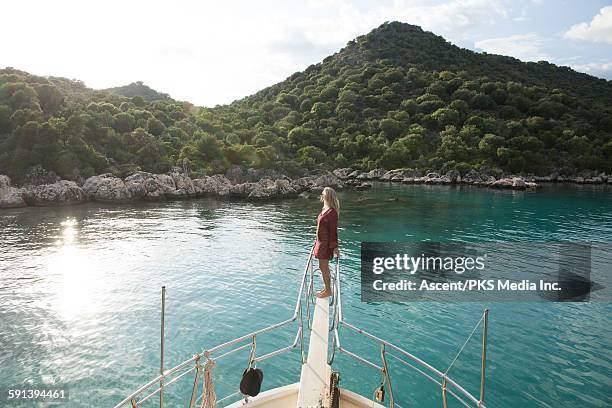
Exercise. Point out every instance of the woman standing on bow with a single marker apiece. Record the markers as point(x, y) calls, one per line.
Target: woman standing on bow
point(326, 245)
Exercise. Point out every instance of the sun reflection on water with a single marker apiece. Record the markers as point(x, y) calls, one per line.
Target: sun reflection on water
point(76, 276)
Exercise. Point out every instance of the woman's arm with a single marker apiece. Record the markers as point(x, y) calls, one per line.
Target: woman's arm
point(333, 232)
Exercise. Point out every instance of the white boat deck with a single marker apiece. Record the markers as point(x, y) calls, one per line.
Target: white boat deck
point(316, 371)
point(311, 391)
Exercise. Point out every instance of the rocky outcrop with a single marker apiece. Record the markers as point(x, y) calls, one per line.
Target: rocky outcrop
point(150, 187)
point(139, 186)
point(268, 189)
point(372, 175)
point(477, 178)
point(241, 190)
point(183, 186)
point(484, 177)
point(593, 180)
point(343, 173)
point(284, 188)
point(453, 176)
point(398, 175)
point(328, 179)
point(257, 184)
point(303, 184)
point(516, 183)
point(107, 188)
point(316, 184)
point(265, 189)
point(162, 184)
point(10, 197)
point(62, 192)
point(240, 175)
point(354, 174)
point(262, 190)
point(235, 174)
point(216, 185)
point(566, 176)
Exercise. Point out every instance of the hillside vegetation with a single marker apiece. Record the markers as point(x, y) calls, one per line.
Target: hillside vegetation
point(396, 97)
point(139, 89)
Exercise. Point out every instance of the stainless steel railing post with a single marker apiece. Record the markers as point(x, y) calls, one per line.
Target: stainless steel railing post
point(484, 357)
point(385, 370)
point(161, 362)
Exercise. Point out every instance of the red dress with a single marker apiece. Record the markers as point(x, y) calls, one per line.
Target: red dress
point(327, 234)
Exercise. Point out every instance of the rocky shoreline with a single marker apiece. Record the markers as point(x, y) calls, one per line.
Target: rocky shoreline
point(248, 184)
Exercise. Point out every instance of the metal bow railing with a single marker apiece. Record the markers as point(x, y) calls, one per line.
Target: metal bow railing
point(447, 384)
point(168, 377)
point(306, 298)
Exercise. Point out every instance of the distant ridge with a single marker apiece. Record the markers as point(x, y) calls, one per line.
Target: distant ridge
point(140, 89)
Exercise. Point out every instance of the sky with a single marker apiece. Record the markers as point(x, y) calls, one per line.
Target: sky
point(213, 52)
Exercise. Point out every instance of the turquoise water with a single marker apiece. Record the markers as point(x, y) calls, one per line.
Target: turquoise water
point(79, 303)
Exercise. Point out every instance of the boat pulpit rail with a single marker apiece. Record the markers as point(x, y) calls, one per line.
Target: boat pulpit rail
point(302, 320)
point(441, 378)
point(168, 377)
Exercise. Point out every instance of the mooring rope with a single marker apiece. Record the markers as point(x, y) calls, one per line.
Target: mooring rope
point(464, 344)
point(209, 397)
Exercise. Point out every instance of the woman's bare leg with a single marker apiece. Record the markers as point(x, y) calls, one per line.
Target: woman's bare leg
point(324, 267)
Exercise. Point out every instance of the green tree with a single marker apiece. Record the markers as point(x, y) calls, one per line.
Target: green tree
point(310, 156)
point(51, 99)
point(152, 157)
point(155, 126)
point(446, 117)
point(321, 110)
point(452, 147)
point(489, 144)
point(124, 122)
point(391, 127)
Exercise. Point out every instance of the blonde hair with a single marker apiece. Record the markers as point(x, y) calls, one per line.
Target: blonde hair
point(329, 197)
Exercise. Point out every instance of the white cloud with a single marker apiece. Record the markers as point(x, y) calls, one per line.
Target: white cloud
point(522, 17)
point(322, 34)
point(595, 68)
point(598, 30)
point(568, 60)
point(526, 47)
point(449, 16)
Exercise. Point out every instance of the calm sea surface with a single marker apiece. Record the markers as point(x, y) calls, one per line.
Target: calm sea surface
point(80, 294)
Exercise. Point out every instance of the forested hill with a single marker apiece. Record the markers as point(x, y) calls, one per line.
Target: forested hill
point(140, 89)
point(396, 97)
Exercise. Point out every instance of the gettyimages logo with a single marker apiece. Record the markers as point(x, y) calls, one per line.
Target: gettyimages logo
point(412, 264)
point(427, 271)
